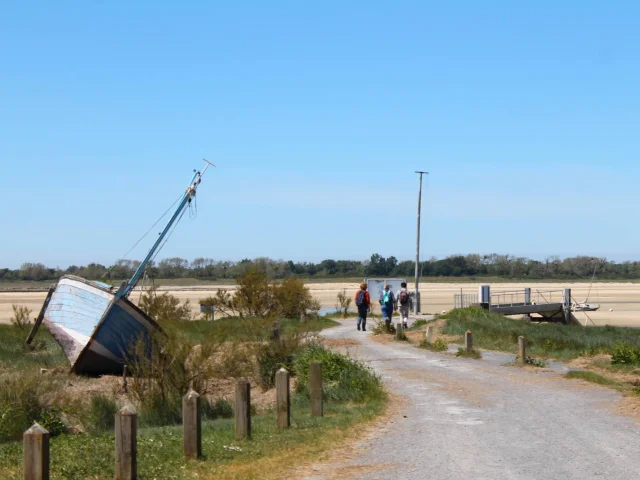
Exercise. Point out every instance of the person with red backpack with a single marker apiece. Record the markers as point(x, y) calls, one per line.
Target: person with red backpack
point(363, 302)
point(404, 303)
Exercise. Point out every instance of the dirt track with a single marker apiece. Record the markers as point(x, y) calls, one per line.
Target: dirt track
point(623, 298)
point(482, 419)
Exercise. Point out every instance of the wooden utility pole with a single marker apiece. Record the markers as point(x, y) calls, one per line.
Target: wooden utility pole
point(416, 305)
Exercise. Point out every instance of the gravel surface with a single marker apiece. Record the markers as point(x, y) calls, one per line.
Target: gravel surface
point(483, 419)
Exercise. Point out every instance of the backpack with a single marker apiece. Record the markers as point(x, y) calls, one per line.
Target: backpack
point(386, 298)
point(360, 298)
point(404, 297)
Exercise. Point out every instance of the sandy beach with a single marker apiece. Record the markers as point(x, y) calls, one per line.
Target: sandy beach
point(622, 298)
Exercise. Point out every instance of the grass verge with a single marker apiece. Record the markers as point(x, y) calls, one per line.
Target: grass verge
point(160, 449)
point(497, 332)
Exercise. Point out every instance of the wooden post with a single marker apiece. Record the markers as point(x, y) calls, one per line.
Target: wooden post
point(125, 387)
point(567, 306)
point(283, 399)
point(276, 331)
point(36, 453)
point(126, 445)
point(527, 296)
point(429, 334)
point(522, 352)
point(243, 409)
point(315, 372)
point(468, 341)
point(399, 333)
point(191, 422)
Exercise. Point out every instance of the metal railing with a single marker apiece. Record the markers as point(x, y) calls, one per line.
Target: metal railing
point(464, 300)
point(526, 297)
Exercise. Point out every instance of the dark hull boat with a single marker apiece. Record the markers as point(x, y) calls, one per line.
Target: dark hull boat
point(96, 326)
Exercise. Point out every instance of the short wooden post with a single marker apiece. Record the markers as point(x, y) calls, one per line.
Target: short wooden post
point(567, 305)
point(36, 453)
point(191, 423)
point(399, 333)
point(283, 399)
point(275, 335)
point(429, 334)
point(125, 386)
point(126, 445)
point(315, 372)
point(243, 409)
point(468, 341)
point(522, 353)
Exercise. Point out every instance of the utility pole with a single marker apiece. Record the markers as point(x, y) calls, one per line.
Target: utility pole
point(416, 305)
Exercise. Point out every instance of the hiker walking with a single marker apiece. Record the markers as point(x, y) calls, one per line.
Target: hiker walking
point(404, 303)
point(363, 302)
point(387, 302)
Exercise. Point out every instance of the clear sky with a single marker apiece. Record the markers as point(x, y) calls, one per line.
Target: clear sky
point(526, 115)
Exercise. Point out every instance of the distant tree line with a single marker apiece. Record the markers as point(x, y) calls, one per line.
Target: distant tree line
point(494, 265)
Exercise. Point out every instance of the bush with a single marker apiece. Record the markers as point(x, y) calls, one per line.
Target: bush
point(22, 404)
point(536, 362)
point(221, 408)
point(157, 411)
point(175, 365)
point(164, 308)
point(101, 415)
point(256, 296)
point(51, 420)
point(344, 302)
point(21, 316)
point(344, 378)
point(623, 354)
point(381, 328)
point(439, 345)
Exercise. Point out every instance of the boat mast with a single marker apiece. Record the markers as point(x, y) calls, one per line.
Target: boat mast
point(185, 200)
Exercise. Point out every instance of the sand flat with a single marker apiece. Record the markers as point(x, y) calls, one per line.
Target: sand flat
point(623, 298)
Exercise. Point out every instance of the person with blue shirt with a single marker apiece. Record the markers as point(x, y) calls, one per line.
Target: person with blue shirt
point(387, 303)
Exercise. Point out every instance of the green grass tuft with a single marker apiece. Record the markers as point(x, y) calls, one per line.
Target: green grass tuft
point(464, 353)
point(592, 377)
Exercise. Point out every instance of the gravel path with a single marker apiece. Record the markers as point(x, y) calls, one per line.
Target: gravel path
point(481, 419)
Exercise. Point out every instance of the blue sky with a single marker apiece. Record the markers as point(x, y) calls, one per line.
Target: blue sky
point(525, 114)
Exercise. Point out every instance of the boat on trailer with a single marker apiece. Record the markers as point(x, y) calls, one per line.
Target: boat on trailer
point(98, 326)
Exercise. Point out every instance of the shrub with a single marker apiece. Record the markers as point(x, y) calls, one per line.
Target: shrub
point(221, 408)
point(536, 362)
point(344, 378)
point(101, 414)
point(256, 296)
point(381, 328)
point(157, 411)
point(21, 316)
point(164, 308)
point(161, 379)
point(623, 354)
point(22, 403)
point(51, 420)
point(344, 302)
point(280, 353)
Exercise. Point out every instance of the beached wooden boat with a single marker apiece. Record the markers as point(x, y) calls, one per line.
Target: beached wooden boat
point(95, 324)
